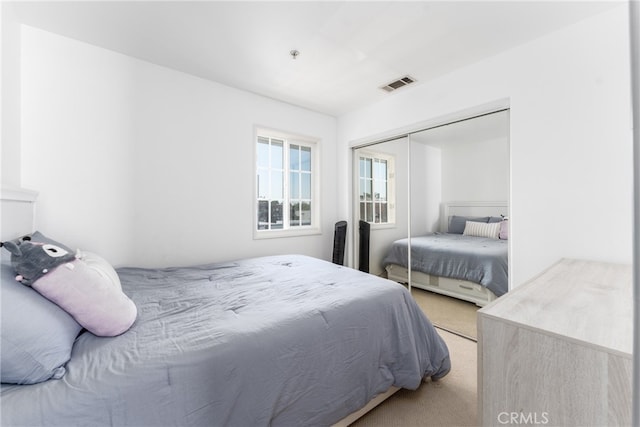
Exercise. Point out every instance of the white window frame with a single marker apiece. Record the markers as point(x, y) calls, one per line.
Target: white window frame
point(391, 186)
point(288, 230)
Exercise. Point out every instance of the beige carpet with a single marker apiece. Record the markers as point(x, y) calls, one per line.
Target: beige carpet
point(449, 313)
point(452, 401)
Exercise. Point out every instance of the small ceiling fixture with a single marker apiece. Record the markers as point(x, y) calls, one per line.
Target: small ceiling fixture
point(397, 84)
point(294, 54)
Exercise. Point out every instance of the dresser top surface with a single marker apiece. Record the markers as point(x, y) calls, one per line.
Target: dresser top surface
point(588, 301)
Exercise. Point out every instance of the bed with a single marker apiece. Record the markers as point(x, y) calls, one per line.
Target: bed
point(473, 268)
point(277, 340)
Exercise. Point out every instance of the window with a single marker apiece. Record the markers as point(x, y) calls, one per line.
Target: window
point(376, 188)
point(286, 182)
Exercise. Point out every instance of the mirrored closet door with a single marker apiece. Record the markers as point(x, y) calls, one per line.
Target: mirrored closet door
point(419, 176)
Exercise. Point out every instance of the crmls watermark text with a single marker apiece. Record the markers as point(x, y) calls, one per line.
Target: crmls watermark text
point(517, 418)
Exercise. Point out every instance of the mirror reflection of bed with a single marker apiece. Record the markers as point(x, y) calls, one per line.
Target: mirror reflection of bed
point(459, 268)
point(457, 169)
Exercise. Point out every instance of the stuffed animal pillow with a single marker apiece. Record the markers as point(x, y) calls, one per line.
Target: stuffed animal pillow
point(34, 256)
point(86, 286)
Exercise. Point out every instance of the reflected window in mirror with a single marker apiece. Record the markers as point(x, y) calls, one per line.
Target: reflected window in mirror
point(376, 188)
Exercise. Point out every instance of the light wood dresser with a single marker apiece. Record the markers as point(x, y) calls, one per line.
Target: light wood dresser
point(557, 350)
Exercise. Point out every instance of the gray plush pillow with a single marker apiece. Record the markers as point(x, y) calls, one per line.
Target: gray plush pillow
point(33, 256)
point(36, 336)
point(457, 223)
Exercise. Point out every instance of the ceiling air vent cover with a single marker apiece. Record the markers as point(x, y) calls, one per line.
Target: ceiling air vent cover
point(397, 84)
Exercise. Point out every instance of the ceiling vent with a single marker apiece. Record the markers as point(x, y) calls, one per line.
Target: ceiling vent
point(397, 84)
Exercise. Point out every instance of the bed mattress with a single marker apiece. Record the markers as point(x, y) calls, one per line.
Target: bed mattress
point(282, 340)
point(480, 260)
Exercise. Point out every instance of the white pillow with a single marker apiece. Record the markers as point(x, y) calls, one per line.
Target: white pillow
point(481, 229)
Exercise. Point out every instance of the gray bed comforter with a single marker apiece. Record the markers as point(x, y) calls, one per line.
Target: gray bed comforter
point(477, 259)
point(282, 340)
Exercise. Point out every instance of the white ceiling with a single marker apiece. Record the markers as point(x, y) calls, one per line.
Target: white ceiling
point(348, 49)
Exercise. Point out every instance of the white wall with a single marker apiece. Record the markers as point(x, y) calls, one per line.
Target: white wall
point(570, 142)
point(149, 166)
point(10, 98)
point(476, 171)
point(426, 188)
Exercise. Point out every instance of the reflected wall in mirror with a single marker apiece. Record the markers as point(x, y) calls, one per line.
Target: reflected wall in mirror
point(463, 161)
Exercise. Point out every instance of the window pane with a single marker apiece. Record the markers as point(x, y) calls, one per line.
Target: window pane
point(365, 167)
point(276, 154)
point(305, 155)
point(294, 214)
point(380, 190)
point(305, 213)
point(380, 169)
point(362, 211)
point(277, 189)
point(369, 212)
point(294, 185)
point(294, 157)
point(263, 152)
point(263, 215)
point(384, 217)
point(305, 186)
point(367, 190)
point(263, 184)
point(380, 210)
point(276, 214)
point(362, 190)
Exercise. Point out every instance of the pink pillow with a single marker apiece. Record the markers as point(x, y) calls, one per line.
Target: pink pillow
point(89, 290)
point(504, 230)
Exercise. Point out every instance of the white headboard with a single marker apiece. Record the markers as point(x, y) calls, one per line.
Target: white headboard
point(17, 212)
point(471, 209)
